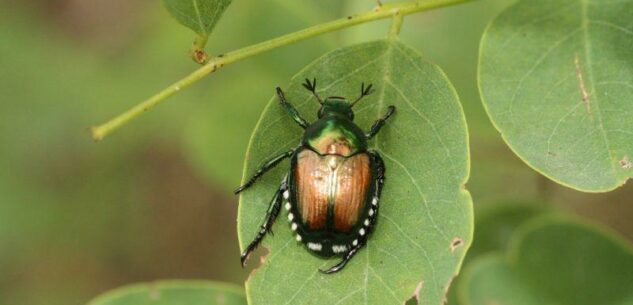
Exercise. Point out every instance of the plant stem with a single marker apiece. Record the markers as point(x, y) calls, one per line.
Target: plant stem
point(214, 63)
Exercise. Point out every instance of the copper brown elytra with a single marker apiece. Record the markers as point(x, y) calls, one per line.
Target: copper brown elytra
point(332, 191)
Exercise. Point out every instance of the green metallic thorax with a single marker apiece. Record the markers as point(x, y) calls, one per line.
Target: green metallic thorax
point(335, 134)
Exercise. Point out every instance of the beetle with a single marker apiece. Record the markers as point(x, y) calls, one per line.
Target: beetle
point(332, 191)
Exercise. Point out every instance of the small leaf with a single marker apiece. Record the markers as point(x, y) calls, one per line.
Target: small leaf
point(556, 78)
point(198, 15)
point(497, 223)
point(425, 221)
point(554, 262)
point(174, 292)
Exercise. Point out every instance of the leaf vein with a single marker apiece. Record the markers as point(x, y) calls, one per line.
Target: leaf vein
point(380, 279)
point(416, 244)
point(612, 25)
point(431, 124)
point(417, 187)
point(587, 46)
point(199, 17)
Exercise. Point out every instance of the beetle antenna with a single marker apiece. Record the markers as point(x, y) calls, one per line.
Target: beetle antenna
point(363, 93)
point(311, 86)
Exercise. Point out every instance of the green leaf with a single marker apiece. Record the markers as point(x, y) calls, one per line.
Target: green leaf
point(198, 15)
point(556, 78)
point(425, 222)
point(174, 292)
point(554, 262)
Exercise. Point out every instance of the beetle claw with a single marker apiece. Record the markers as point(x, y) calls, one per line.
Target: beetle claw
point(331, 270)
point(366, 91)
point(336, 268)
point(243, 258)
point(310, 85)
point(369, 91)
point(238, 190)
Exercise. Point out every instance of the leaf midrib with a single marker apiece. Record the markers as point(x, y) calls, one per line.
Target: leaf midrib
point(203, 29)
point(590, 77)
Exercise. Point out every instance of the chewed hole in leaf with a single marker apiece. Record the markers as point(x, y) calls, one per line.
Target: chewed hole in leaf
point(256, 259)
point(626, 163)
point(415, 298)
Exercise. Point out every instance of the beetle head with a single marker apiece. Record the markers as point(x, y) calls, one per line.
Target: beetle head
point(336, 105)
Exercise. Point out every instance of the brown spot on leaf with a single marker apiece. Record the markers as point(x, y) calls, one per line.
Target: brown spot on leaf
point(456, 243)
point(626, 163)
point(583, 88)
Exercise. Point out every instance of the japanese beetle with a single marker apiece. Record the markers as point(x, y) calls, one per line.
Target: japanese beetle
point(332, 191)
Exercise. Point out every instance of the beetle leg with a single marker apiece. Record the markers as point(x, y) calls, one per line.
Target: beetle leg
point(271, 215)
point(370, 222)
point(263, 169)
point(292, 111)
point(348, 256)
point(375, 128)
point(311, 86)
point(363, 93)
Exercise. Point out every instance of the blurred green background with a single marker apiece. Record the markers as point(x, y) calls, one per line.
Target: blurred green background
point(154, 200)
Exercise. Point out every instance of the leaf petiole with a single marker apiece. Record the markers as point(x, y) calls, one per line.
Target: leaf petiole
point(198, 53)
point(396, 24)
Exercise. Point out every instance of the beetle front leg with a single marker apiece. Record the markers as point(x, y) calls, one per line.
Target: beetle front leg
point(263, 169)
point(271, 216)
point(372, 216)
point(375, 128)
point(292, 111)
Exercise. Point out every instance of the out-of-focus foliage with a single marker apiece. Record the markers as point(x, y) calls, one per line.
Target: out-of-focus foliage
point(495, 225)
point(174, 292)
point(78, 218)
point(557, 80)
point(553, 261)
point(423, 227)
